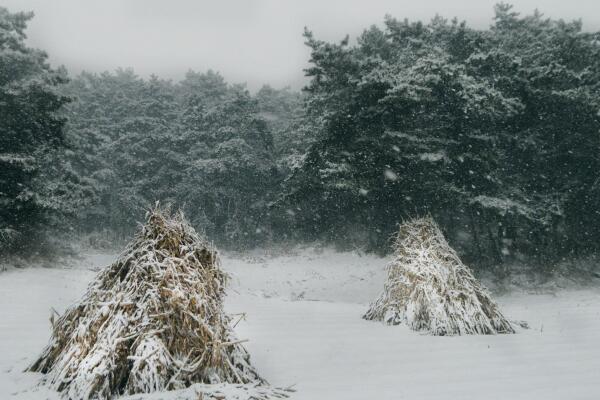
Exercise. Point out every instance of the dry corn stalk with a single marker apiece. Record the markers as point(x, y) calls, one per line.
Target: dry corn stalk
point(152, 321)
point(429, 289)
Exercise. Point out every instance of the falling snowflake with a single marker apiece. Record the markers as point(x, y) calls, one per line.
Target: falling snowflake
point(390, 175)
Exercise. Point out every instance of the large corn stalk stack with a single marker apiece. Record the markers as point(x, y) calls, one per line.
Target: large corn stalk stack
point(429, 289)
point(152, 321)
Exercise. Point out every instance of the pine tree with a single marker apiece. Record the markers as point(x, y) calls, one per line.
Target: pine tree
point(31, 130)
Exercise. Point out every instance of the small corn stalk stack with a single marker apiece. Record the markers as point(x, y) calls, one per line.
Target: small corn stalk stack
point(429, 289)
point(152, 321)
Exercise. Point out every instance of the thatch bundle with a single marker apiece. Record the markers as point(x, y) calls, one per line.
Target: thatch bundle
point(151, 321)
point(430, 289)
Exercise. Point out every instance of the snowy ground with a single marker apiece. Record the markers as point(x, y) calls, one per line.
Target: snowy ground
point(303, 321)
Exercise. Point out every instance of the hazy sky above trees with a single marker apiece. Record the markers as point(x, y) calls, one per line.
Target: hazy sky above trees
point(258, 41)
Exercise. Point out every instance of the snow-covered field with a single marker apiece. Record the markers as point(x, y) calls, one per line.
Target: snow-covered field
point(303, 320)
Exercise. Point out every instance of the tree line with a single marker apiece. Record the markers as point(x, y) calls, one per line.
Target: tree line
point(494, 132)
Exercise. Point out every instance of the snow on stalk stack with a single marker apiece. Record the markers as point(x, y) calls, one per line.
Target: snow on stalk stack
point(152, 321)
point(430, 289)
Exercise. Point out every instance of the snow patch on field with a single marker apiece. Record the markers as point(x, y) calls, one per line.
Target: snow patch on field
point(307, 274)
point(303, 320)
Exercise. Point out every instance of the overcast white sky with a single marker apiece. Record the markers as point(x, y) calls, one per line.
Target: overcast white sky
point(252, 41)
